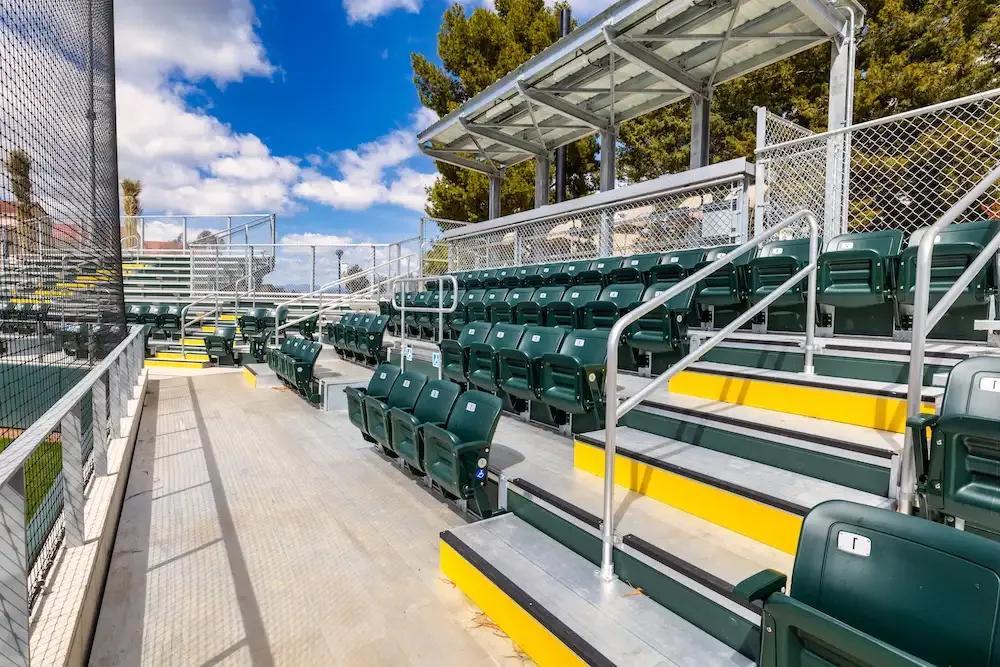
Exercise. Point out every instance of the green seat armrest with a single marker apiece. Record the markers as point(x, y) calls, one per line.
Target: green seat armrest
point(921, 449)
point(787, 612)
point(761, 586)
point(471, 446)
point(439, 431)
point(404, 416)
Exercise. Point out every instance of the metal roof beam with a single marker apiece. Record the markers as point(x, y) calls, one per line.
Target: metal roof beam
point(541, 98)
point(652, 63)
point(736, 37)
point(826, 18)
point(503, 138)
point(458, 161)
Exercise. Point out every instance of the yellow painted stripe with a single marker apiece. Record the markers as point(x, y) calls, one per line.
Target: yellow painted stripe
point(879, 412)
point(87, 279)
point(211, 329)
point(76, 285)
point(249, 378)
point(227, 318)
point(195, 342)
point(31, 301)
point(757, 521)
point(134, 266)
point(531, 636)
point(177, 356)
point(49, 292)
point(166, 363)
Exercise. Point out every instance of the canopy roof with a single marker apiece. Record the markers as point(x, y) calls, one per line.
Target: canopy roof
point(655, 52)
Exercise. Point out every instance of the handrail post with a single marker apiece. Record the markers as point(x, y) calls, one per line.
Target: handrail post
point(808, 367)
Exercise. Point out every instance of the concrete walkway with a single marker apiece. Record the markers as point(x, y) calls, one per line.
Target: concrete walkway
point(259, 531)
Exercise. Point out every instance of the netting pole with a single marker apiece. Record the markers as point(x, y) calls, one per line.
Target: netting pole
point(607, 183)
point(760, 173)
point(312, 268)
point(92, 121)
point(184, 234)
point(839, 116)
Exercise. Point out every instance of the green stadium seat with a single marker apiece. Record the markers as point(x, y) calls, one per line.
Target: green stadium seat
point(369, 343)
point(675, 265)
point(599, 271)
point(471, 280)
point(507, 277)
point(463, 277)
point(481, 357)
point(529, 277)
point(959, 476)
point(403, 396)
point(429, 321)
point(775, 263)
point(251, 322)
point(488, 279)
point(307, 327)
point(856, 275)
point(664, 328)
point(461, 315)
point(340, 331)
point(533, 311)
point(635, 269)
point(572, 380)
point(566, 312)
point(378, 387)
point(422, 300)
point(566, 274)
point(454, 358)
point(275, 317)
point(518, 369)
point(151, 316)
point(954, 250)
point(726, 288)
point(457, 455)
point(134, 313)
point(358, 329)
point(477, 311)
point(432, 407)
point(219, 345)
point(613, 302)
point(169, 322)
point(546, 271)
point(876, 588)
point(302, 370)
point(503, 311)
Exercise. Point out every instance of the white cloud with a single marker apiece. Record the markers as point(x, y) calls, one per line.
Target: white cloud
point(366, 11)
point(374, 173)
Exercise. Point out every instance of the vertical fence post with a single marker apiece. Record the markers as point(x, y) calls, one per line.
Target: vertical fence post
point(99, 424)
point(760, 174)
point(517, 246)
point(72, 464)
point(142, 233)
point(114, 397)
point(312, 272)
point(420, 248)
point(184, 234)
point(14, 638)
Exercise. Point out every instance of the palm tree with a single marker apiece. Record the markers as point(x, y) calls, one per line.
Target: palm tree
point(131, 188)
point(19, 168)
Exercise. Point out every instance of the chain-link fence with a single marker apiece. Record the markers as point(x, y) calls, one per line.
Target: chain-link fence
point(900, 172)
point(178, 232)
point(708, 214)
point(61, 294)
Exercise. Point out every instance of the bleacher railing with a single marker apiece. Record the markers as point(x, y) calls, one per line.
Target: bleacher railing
point(924, 321)
point(44, 475)
point(441, 310)
point(903, 171)
point(614, 412)
point(694, 209)
point(195, 229)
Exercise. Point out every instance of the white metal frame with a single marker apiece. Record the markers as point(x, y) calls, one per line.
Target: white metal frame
point(440, 309)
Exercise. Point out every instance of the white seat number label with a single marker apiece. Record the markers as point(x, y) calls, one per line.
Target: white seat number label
point(470, 407)
point(634, 262)
point(853, 543)
point(776, 251)
point(471, 332)
point(542, 295)
point(674, 260)
point(499, 334)
point(492, 296)
point(574, 295)
point(535, 338)
point(381, 376)
point(517, 296)
point(435, 393)
point(600, 265)
point(613, 294)
point(572, 268)
point(578, 342)
point(990, 384)
point(846, 245)
point(406, 383)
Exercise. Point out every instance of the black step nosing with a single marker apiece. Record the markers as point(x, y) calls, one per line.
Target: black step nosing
point(690, 570)
point(871, 391)
point(563, 505)
point(814, 438)
point(573, 641)
point(723, 485)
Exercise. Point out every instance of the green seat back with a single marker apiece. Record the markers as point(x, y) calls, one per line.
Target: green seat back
point(954, 249)
point(532, 311)
point(507, 277)
point(504, 335)
point(520, 295)
point(676, 264)
point(613, 301)
point(635, 269)
point(474, 332)
point(563, 313)
point(383, 379)
point(537, 341)
point(474, 416)
point(528, 275)
point(920, 587)
point(663, 328)
point(503, 311)
point(588, 346)
point(567, 273)
point(406, 390)
point(476, 311)
point(227, 333)
point(546, 271)
point(599, 271)
point(856, 270)
point(435, 402)
point(775, 263)
point(488, 278)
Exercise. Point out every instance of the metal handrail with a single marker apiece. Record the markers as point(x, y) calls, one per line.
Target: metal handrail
point(441, 309)
point(614, 412)
point(213, 295)
point(342, 280)
point(923, 321)
point(340, 299)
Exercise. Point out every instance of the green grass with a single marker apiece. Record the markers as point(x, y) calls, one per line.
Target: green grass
point(41, 470)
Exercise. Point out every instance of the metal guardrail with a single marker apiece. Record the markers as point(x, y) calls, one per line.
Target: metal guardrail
point(614, 412)
point(35, 526)
point(440, 309)
point(924, 321)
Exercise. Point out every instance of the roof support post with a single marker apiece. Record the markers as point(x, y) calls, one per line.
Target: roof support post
point(609, 137)
point(496, 183)
point(541, 180)
point(701, 109)
point(838, 150)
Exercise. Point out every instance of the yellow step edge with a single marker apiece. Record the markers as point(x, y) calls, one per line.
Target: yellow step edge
point(177, 356)
point(194, 342)
point(249, 378)
point(76, 285)
point(46, 292)
point(544, 648)
point(227, 318)
point(134, 266)
point(758, 521)
point(166, 363)
point(32, 301)
point(211, 329)
point(844, 406)
point(87, 279)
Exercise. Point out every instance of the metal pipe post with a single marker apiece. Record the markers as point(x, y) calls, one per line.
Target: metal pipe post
point(184, 234)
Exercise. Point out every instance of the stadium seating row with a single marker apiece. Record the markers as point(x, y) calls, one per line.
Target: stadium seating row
point(358, 336)
point(435, 429)
point(295, 363)
point(865, 284)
